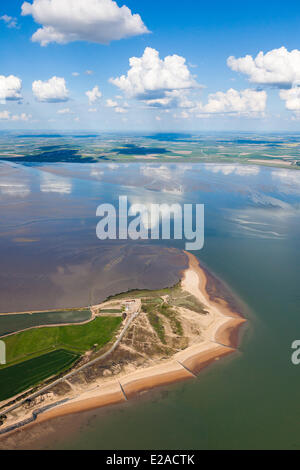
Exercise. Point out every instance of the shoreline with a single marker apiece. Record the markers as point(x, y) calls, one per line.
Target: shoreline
point(221, 339)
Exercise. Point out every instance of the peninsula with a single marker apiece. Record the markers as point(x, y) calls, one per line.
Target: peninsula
point(132, 343)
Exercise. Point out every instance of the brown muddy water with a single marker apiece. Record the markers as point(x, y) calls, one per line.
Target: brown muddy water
point(50, 258)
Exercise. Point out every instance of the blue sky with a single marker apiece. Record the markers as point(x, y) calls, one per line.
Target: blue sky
point(179, 97)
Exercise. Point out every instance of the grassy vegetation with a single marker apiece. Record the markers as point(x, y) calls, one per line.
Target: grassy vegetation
point(21, 377)
point(188, 301)
point(151, 305)
point(141, 294)
point(158, 326)
point(170, 314)
point(78, 339)
point(111, 310)
point(156, 306)
point(176, 297)
point(153, 302)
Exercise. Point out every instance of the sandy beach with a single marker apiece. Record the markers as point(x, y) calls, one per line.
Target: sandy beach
point(219, 340)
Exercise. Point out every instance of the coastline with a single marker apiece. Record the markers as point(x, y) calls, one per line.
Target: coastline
point(221, 339)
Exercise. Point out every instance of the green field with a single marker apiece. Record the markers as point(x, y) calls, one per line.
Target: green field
point(25, 375)
point(77, 339)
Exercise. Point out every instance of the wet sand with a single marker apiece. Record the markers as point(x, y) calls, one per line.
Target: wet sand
point(110, 394)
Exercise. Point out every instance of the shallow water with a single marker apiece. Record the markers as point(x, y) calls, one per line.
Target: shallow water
point(12, 323)
point(249, 400)
point(50, 255)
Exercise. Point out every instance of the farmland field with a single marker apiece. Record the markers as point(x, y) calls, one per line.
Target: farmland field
point(25, 375)
point(260, 149)
point(79, 339)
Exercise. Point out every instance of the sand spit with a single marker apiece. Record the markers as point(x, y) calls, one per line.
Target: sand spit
point(219, 339)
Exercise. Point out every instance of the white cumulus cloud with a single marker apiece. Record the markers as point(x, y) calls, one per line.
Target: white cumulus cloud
point(4, 115)
point(7, 116)
point(94, 95)
point(10, 21)
point(51, 183)
point(52, 91)
point(111, 103)
point(65, 111)
point(120, 110)
point(10, 88)
point(278, 67)
point(291, 98)
point(99, 21)
point(155, 80)
point(21, 117)
point(227, 169)
point(245, 102)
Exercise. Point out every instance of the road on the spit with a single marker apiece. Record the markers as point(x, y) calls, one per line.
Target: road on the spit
point(76, 371)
